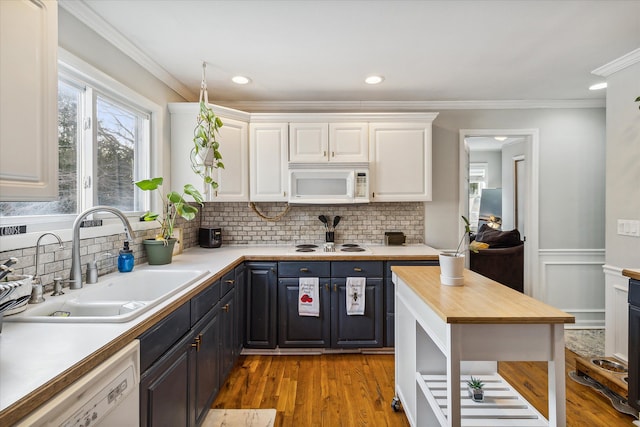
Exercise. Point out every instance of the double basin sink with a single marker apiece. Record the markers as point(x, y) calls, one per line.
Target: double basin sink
point(116, 298)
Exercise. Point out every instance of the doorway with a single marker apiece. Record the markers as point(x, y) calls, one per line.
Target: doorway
point(517, 185)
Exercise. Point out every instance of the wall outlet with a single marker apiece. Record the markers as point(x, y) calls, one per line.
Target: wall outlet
point(629, 227)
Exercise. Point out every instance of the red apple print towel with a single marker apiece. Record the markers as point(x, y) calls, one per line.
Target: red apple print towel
point(308, 297)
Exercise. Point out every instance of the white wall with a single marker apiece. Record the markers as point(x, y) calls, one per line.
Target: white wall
point(571, 182)
point(623, 165)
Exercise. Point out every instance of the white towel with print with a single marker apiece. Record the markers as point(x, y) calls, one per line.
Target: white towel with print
point(308, 296)
point(355, 295)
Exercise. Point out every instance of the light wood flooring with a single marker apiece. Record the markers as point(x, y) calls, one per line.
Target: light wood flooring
point(344, 390)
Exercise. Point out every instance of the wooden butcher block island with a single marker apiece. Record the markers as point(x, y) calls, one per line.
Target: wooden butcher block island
point(445, 334)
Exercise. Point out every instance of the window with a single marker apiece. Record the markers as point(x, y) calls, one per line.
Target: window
point(103, 146)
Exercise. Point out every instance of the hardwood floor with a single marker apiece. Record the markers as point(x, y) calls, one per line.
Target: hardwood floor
point(356, 390)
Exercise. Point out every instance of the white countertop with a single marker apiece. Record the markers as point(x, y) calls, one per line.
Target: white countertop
point(32, 354)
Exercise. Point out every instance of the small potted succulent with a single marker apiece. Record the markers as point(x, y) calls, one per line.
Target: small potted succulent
point(476, 392)
point(452, 263)
point(160, 249)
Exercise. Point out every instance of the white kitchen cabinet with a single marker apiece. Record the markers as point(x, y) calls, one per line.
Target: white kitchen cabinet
point(28, 100)
point(328, 142)
point(400, 161)
point(268, 178)
point(233, 180)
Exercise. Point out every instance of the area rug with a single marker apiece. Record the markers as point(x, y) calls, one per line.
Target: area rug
point(585, 342)
point(240, 418)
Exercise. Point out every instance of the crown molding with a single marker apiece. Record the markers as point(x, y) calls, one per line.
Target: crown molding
point(618, 64)
point(406, 106)
point(85, 14)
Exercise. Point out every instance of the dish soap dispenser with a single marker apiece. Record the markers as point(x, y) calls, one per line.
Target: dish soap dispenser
point(125, 259)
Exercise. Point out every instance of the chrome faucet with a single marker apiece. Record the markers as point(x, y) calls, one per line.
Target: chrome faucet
point(38, 248)
point(75, 276)
point(36, 292)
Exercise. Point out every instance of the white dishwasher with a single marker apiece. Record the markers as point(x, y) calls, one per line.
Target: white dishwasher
point(108, 396)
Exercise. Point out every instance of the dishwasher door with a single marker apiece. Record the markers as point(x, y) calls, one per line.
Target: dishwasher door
point(109, 395)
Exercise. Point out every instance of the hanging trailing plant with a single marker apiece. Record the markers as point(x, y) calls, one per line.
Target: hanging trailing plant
point(205, 154)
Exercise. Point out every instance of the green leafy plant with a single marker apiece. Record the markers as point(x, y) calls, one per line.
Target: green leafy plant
point(638, 100)
point(173, 203)
point(205, 155)
point(467, 231)
point(475, 383)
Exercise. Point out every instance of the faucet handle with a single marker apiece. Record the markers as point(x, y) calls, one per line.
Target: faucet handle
point(57, 287)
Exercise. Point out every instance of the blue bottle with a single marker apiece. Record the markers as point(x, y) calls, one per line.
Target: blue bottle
point(125, 259)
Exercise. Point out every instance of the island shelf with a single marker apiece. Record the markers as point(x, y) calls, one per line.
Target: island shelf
point(445, 334)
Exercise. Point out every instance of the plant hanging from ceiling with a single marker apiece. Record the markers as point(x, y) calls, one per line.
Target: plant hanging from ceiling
point(205, 155)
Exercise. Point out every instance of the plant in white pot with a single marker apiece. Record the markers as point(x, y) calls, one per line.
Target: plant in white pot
point(476, 391)
point(160, 249)
point(452, 263)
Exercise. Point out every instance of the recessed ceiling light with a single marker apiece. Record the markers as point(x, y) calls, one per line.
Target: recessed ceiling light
point(373, 80)
point(241, 80)
point(500, 138)
point(598, 86)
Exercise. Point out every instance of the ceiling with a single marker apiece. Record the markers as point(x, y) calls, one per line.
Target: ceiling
point(322, 50)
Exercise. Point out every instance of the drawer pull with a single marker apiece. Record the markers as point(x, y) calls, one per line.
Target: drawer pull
point(327, 287)
point(197, 341)
point(335, 288)
point(229, 282)
point(304, 270)
point(358, 269)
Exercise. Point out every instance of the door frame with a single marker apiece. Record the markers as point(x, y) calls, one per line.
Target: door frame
point(532, 143)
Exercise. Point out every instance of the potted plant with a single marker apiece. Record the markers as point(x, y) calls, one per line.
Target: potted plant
point(205, 154)
point(160, 249)
point(475, 389)
point(452, 263)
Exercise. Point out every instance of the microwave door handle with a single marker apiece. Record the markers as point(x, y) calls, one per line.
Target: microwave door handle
point(351, 185)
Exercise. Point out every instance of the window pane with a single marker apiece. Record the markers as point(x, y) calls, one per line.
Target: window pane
point(117, 138)
point(69, 99)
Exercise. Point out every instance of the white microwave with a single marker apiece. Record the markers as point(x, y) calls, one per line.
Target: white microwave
point(328, 185)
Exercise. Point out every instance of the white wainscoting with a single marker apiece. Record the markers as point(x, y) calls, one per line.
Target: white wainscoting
point(573, 281)
point(616, 334)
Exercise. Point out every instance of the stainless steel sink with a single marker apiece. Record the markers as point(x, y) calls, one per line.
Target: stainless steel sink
point(115, 298)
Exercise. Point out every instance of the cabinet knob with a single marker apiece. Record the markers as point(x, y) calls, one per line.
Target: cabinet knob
point(335, 288)
point(226, 308)
point(326, 286)
point(304, 270)
point(333, 154)
point(358, 269)
point(324, 154)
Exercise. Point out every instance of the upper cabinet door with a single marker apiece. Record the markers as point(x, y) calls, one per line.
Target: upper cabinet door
point(328, 142)
point(233, 180)
point(28, 100)
point(400, 165)
point(308, 142)
point(348, 142)
point(268, 159)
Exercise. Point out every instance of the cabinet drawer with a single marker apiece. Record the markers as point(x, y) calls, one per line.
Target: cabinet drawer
point(304, 269)
point(227, 283)
point(390, 264)
point(356, 269)
point(204, 301)
point(157, 340)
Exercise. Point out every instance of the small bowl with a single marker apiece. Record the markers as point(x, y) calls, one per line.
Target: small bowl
point(609, 365)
